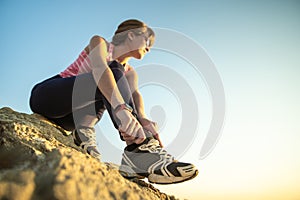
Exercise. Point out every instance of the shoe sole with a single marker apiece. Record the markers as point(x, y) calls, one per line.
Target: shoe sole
point(129, 173)
point(165, 180)
point(98, 157)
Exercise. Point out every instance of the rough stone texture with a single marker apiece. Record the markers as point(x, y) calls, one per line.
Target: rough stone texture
point(39, 161)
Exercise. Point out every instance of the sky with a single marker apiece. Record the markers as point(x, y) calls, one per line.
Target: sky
point(254, 46)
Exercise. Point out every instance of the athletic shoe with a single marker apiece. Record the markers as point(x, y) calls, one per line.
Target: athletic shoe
point(85, 137)
point(150, 160)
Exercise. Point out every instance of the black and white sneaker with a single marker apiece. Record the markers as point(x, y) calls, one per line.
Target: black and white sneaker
point(151, 161)
point(85, 137)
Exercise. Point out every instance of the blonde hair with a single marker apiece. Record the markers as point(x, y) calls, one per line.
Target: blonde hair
point(135, 26)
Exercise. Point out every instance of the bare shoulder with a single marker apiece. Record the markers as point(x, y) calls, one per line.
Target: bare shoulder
point(95, 41)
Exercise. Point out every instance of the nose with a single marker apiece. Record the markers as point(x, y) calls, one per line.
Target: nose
point(147, 49)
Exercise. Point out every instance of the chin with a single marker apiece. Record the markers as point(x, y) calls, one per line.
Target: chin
point(139, 56)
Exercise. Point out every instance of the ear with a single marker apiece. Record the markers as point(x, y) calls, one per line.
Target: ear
point(130, 35)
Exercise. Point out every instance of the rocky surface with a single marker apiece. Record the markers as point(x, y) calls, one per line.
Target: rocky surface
point(39, 161)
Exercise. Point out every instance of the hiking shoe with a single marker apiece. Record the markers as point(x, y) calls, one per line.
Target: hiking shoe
point(150, 160)
point(85, 137)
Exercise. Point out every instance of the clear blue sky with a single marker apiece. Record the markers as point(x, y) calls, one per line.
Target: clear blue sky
point(255, 46)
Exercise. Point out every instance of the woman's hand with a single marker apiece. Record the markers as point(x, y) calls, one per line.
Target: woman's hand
point(130, 128)
point(151, 128)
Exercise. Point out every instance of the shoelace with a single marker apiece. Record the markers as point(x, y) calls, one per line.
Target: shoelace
point(91, 135)
point(154, 146)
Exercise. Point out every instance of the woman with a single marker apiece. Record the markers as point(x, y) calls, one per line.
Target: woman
point(101, 79)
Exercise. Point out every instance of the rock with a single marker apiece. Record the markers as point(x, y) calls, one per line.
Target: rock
point(38, 160)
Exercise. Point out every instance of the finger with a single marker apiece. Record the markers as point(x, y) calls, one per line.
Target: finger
point(156, 136)
point(123, 127)
point(128, 138)
point(125, 121)
point(136, 130)
point(141, 136)
point(130, 128)
point(152, 127)
point(125, 135)
point(155, 126)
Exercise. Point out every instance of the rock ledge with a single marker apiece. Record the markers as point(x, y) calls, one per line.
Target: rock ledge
point(39, 161)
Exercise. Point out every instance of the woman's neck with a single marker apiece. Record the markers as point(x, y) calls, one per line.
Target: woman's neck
point(121, 54)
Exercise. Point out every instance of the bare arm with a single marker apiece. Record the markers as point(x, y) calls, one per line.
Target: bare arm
point(139, 104)
point(132, 78)
point(102, 73)
point(107, 85)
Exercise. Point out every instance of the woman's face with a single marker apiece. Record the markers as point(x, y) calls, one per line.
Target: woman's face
point(139, 45)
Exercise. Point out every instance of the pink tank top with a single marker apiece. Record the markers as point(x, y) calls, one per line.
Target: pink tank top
point(83, 64)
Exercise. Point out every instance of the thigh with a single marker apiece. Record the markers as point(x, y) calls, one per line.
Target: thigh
point(58, 97)
point(52, 97)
